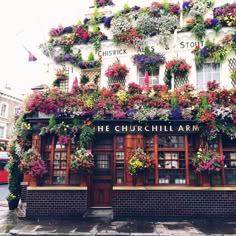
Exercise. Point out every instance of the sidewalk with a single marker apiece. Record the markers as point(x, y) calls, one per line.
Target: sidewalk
point(10, 224)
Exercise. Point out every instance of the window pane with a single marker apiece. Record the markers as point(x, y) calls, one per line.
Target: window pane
point(208, 72)
point(3, 110)
point(103, 142)
point(153, 78)
point(171, 141)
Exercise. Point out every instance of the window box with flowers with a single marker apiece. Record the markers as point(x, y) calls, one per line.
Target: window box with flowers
point(210, 50)
point(179, 69)
point(116, 73)
point(32, 165)
point(138, 163)
point(206, 163)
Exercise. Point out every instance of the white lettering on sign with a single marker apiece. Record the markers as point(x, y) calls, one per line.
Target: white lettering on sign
point(147, 128)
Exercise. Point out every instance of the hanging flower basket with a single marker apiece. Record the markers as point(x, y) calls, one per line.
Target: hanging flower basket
point(116, 73)
point(207, 161)
point(139, 161)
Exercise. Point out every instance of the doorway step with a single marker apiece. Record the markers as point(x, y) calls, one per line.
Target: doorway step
point(99, 212)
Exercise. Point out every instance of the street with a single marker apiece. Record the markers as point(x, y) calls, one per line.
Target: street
point(3, 192)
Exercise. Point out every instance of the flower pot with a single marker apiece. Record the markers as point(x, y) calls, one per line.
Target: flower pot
point(13, 204)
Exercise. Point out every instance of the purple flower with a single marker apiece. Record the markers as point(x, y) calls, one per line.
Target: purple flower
point(186, 5)
point(86, 20)
point(131, 112)
point(176, 113)
point(107, 21)
point(144, 60)
point(234, 38)
point(205, 52)
point(214, 22)
point(70, 58)
point(67, 29)
point(135, 8)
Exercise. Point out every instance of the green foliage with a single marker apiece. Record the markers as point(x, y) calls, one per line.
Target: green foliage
point(15, 177)
point(126, 7)
point(84, 79)
point(147, 51)
point(204, 103)
point(91, 57)
point(67, 49)
point(95, 28)
point(199, 31)
point(76, 121)
point(96, 12)
point(166, 6)
point(174, 101)
point(220, 55)
point(56, 83)
point(167, 79)
point(52, 121)
point(96, 78)
point(87, 133)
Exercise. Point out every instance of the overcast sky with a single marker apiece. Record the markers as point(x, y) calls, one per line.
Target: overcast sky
point(26, 23)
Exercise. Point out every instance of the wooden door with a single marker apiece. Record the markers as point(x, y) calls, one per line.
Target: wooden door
point(101, 184)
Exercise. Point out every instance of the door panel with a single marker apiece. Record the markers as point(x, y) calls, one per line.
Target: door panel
point(101, 186)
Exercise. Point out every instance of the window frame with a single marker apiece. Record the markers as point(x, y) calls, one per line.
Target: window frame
point(151, 76)
point(3, 114)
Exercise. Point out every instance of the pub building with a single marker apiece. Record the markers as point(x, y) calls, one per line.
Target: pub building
point(171, 187)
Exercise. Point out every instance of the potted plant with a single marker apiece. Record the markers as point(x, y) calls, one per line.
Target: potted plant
point(206, 162)
point(12, 200)
point(116, 73)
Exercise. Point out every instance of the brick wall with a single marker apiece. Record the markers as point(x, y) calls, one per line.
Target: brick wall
point(174, 203)
point(24, 191)
point(56, 202)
